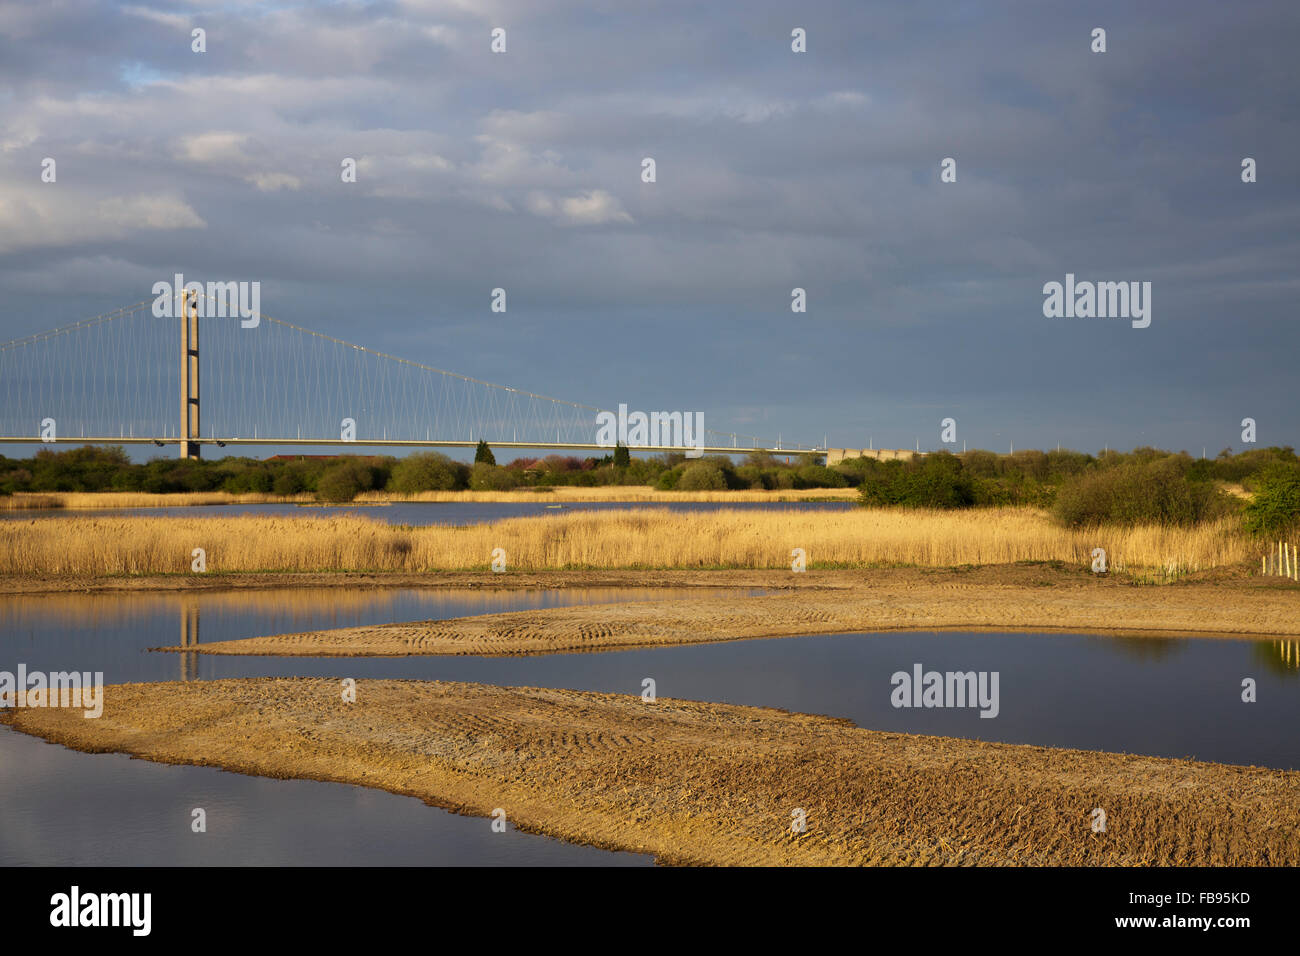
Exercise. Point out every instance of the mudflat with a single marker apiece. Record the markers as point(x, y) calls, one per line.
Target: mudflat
point(699, 783)
point(858, 601)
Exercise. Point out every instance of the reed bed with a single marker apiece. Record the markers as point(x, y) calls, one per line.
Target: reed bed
point(642, 538)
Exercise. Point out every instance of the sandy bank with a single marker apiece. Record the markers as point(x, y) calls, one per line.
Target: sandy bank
point(704, 783)
point(885, 602)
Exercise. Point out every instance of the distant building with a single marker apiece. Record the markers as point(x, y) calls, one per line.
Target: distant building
point(836, 455)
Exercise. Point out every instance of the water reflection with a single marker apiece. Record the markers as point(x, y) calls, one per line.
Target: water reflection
point(419, 513)
point(61, 807)
point(189, 638)
point(1147, 648)
point(64, 808)
point(1280, 657)
point(112, 632)
point(1164, 696)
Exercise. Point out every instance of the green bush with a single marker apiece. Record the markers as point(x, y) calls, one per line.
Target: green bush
point(486, 477)
point(642, 471)
point(77, 469)
point(1275, 509)
point(287, 483)
point(427, 471)
point(248, 480)
point(917, 488)
point(667, 480)
point(344, 481)
point(981, 464)
point(935, 481)
point(14, 479)
point(702, 476)
point(1154, 490)
point(819, 476)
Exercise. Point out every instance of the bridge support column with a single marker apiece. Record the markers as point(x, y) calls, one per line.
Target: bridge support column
point(189, 447)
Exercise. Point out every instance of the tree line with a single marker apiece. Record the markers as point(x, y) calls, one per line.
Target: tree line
point(1144, 485)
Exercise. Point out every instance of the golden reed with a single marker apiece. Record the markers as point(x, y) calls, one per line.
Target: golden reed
point(641, 538)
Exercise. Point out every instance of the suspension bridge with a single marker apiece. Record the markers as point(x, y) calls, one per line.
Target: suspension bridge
point(120, 378)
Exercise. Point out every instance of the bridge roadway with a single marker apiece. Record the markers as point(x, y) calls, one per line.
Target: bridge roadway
point(407, 443)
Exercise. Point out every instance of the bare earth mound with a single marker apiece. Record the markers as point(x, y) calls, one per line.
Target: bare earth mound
point(704, 783)
point(886, 606)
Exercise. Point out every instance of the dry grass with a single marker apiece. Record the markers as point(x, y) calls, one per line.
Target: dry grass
point(647, 538)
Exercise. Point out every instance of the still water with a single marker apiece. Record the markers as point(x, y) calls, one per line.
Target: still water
point(1171, 697)
point(417, 513)
point(61, 807)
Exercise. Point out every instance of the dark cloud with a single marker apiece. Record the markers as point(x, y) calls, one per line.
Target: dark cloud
point(775, 170)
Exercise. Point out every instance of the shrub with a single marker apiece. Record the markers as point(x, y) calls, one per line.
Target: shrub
point(287, 483)
point(701, 476)
point(427, 471)
point(16, 479)
point(1275, 509)
point(344, 480)
point(248, 480)
point(667, 480)
point(486, 477)
point(1151, 491)
point(936, 481)
point(980, 464)
point(819, 476)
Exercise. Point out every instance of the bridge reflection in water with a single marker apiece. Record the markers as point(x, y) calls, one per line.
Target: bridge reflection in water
point(189, 638)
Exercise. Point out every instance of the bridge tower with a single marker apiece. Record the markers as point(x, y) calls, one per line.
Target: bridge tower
point(189, 375)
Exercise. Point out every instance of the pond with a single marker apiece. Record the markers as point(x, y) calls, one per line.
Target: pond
point(417, 513)
point(1169, 697)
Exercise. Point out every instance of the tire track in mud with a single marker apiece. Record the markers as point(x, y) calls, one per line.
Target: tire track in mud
point(1183, 610)
point(699, 783)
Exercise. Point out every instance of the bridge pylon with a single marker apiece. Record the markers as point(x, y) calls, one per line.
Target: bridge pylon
point(189, 446)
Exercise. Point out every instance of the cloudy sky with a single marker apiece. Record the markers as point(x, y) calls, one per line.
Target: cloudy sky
point(775, 170)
